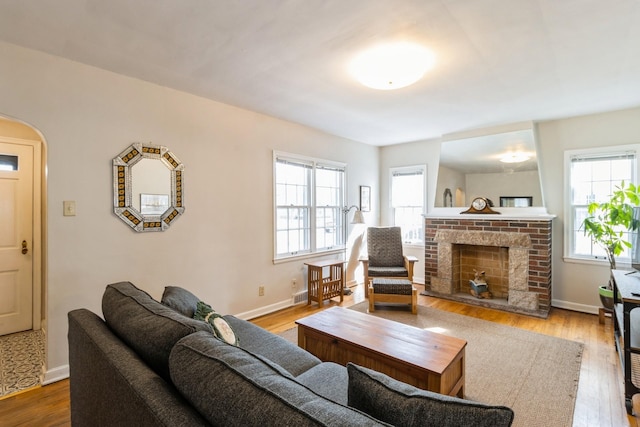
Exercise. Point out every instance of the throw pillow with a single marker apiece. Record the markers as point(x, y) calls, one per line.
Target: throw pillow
point(221, 327)
point(399, 403)
point(180, 299)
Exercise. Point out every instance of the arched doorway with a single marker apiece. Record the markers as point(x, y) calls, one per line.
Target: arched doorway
point(22, 224)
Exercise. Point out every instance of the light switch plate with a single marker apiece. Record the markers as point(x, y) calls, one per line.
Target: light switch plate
point(69, 208)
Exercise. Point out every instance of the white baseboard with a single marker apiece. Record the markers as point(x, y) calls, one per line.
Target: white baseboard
point(261, 311)
point(55, 374)
point(591, 309)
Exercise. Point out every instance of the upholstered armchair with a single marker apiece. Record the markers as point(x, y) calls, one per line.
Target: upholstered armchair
point(385, 256)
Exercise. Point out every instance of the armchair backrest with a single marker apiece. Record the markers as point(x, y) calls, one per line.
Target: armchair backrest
point(384, 246)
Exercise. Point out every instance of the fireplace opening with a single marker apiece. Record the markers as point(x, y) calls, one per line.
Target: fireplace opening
point(492, 260)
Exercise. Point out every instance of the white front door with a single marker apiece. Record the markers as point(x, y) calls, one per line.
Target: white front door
point(16, 237)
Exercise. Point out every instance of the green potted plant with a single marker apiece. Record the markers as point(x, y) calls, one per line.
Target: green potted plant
point(607, 225)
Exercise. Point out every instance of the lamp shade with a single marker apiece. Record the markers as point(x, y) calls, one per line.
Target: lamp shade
point(358, 218)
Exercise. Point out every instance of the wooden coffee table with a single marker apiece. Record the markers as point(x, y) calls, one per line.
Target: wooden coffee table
point(425, 359)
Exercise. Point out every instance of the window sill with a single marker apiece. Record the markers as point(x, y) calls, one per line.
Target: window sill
point(414, 245)
point(308, 255)
point(588, 261)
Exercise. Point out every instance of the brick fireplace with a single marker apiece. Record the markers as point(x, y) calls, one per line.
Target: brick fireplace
point(515, 254)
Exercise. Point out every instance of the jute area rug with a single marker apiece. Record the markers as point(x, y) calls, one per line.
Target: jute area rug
point(535, 375)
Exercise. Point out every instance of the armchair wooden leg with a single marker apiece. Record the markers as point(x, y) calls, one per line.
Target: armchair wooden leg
point(371, 299)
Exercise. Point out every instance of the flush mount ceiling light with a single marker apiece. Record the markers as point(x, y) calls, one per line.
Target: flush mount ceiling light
point(392, 65)
point(514, 157)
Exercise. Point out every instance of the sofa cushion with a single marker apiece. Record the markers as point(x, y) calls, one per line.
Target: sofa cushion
point(221, 327)
point(398, 403)
point(387, 272)
point(148, 327)
point(328, 379)
point(229, 386)
point(180, 299)
point(275, 348)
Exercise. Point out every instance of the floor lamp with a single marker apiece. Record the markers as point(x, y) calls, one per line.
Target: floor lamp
point(358, 218)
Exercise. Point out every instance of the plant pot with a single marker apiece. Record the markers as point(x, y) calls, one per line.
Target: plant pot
point(606, 297)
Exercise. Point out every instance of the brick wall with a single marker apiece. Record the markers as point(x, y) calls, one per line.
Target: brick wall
point(539, 231)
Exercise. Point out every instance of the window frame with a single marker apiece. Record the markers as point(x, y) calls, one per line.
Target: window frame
point(570, 227)
point(315, 164)
point(422, 168)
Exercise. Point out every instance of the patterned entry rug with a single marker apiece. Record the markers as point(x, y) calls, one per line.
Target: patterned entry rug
point(535, 375)
point(21, 361)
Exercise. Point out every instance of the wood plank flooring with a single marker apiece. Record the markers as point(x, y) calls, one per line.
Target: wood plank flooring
point(600, 399)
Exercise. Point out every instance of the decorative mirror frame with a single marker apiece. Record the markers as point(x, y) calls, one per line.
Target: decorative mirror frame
point(123, 186)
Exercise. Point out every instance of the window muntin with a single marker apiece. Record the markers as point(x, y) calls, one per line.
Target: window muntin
point(407, 202)
point(309, 195)
point(593, 177)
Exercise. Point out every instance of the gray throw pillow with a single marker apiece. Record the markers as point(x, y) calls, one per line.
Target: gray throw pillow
point(399, 403)
point(180, 299)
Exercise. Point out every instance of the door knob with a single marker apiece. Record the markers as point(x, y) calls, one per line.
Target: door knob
point(24, 247)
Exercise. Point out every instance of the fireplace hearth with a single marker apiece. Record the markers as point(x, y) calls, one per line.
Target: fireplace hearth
point(515, 253)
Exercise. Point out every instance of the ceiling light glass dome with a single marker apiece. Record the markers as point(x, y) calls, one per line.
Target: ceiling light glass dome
point(392, 65)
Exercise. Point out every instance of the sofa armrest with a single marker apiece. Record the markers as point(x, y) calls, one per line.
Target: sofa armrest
point(111, 385)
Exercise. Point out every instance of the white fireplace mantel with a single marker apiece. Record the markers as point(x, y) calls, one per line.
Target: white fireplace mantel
point(534, 214)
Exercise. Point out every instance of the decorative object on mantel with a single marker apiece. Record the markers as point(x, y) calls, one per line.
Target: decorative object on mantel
point(479, 287)
point(480, 205)
point(448, 198)
point(148, 197)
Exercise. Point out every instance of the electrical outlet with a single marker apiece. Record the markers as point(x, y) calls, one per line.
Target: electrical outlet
point(260, 291)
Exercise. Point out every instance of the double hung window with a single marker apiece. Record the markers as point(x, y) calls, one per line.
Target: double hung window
point(309, 196)
point(408, 200)
point(593, 175)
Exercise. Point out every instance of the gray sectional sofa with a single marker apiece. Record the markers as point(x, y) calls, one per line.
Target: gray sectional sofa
point(149, 363)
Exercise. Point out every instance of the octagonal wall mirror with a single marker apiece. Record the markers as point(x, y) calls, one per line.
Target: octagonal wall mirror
point(148, 187)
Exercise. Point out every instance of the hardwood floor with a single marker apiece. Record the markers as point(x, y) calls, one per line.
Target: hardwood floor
point(600, 399)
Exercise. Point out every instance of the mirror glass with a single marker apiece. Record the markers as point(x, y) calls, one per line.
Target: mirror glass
point(148, 187)
point(501, 167)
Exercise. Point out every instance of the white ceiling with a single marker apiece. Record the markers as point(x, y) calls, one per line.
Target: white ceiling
point(498, 61)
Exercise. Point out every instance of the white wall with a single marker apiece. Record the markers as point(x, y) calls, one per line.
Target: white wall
point(574, 285)
point(221, 248)
point(410, 154)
